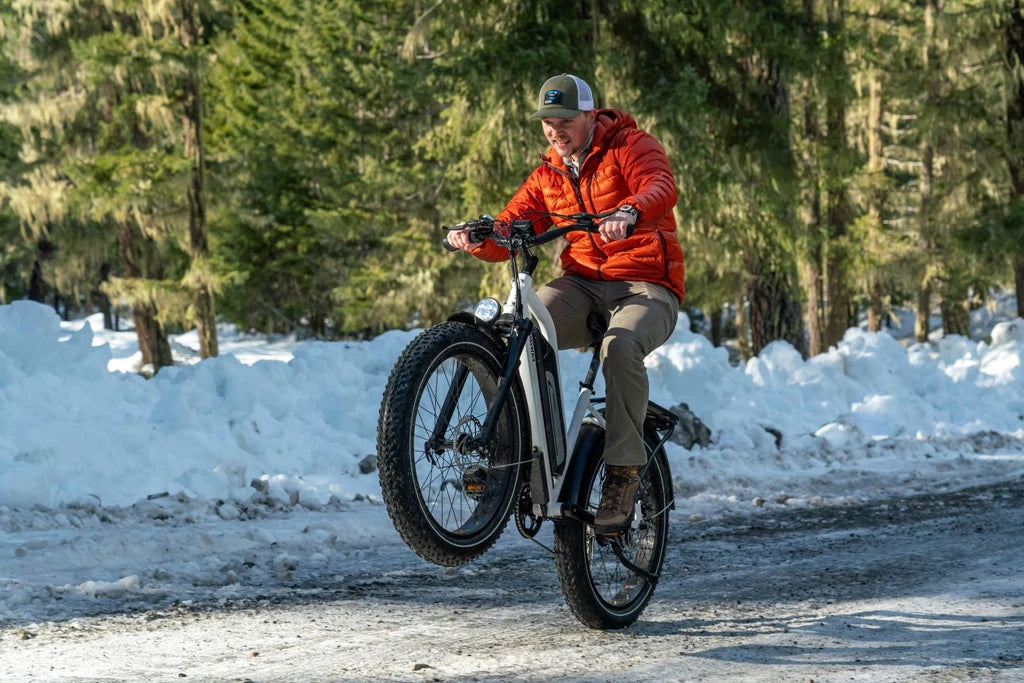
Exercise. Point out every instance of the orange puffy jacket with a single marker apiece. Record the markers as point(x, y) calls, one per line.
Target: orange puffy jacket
point(624, 166)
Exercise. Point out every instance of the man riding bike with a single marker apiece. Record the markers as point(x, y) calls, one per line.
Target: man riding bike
point(631, 272)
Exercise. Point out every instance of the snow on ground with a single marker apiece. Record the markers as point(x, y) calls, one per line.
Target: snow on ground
point(285, 425)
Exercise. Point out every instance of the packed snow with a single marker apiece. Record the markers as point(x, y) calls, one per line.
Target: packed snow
point(285, 425)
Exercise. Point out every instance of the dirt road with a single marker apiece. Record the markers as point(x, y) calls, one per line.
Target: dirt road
point(929, 588)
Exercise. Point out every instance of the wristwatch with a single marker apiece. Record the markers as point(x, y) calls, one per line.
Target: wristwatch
point(626, 208)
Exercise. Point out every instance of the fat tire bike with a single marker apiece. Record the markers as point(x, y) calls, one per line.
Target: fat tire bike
point(472, 433)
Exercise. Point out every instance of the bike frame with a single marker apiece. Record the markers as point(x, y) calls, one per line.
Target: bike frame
point(553, 456)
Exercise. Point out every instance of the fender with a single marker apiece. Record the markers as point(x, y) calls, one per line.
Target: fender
point(589, 450)
point(659, 424)
point(470, 319)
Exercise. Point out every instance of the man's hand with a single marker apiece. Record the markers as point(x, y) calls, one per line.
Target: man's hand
point(616, 226)
point(460, 239)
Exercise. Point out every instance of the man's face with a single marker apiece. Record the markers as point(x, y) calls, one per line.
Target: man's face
point(568, 136)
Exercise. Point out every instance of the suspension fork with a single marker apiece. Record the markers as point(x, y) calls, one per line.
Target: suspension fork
point(436, 441)
point(516, 344)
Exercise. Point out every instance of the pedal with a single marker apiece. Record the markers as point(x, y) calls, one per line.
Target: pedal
point(474, 480)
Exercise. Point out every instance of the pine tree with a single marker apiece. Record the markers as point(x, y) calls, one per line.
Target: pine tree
point(104, 113)
point(15, 252)
point(876, 244)
point(923, 123)
point(199, 279)
point(740, 193)
point(956, 152)
point(839, 164)
point(325, 199)
point(295, 161)
point(1012, 228)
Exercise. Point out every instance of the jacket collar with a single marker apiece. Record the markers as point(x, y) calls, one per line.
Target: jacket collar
point(609, 122)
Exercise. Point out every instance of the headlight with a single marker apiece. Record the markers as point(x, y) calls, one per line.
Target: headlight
point(487, 310)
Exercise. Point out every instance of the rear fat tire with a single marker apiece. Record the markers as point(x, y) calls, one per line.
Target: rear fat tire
point(598, 589)
point(425, 492)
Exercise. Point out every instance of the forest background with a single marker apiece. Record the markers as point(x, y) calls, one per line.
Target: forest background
point(288, 165)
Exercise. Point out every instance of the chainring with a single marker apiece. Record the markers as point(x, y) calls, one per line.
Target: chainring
point(527, 523)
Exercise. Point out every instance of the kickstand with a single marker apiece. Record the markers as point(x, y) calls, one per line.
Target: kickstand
point(616, 544)
point(541, 544)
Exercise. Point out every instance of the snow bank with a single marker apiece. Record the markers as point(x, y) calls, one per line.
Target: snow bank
point(71, 431)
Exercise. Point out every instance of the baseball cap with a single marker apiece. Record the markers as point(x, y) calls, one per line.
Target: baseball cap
point(563, 97)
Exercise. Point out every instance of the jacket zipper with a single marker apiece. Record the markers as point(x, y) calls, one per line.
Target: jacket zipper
point(593, 242)
point(575, 181)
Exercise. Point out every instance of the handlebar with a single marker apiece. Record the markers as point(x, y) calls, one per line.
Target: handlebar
point(518, 233)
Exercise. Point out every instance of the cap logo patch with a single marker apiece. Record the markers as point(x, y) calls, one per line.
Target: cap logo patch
point(553, 97)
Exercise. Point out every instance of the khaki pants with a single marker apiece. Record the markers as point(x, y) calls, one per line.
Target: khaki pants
point(641, 317)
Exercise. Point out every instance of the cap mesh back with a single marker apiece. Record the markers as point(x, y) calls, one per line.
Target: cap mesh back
point(586, 98)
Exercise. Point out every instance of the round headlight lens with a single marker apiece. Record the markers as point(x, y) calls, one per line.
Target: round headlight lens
point(487, 310)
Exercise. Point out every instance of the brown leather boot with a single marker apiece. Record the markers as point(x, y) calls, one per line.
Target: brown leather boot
point(618, 494)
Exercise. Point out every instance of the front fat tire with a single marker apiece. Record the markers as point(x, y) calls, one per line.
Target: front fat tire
point(598, 589)
point(426, 491)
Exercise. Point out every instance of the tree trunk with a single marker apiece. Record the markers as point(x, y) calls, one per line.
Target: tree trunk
point(1014, 80)
point(810, 207)
point(810, 199)
point(774, 315)
point(926, 181)
point(199, 249)
point(811, 269)
point(742, 327)
point(955, 317)
point(716, 325)
point(104, 301)
point(1018, 276)
point(876, 199)
point(37, 283)
point(837, 294)
point(922, 309)
point(153, 342)
point(771, 288)
point(876, 312)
